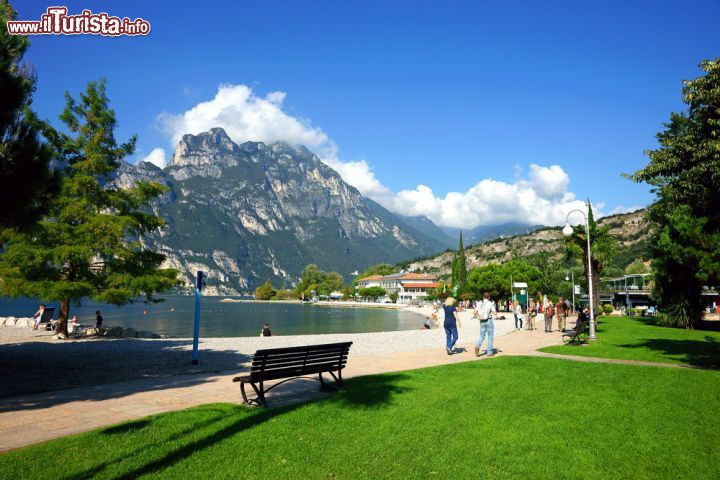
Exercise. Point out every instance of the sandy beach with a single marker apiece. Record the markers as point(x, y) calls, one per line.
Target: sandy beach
point(32, 362)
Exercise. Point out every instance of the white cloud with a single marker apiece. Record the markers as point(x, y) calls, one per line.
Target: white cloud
point(156, 157)
point(543, 197)
point(245, 116)
point(491, 201)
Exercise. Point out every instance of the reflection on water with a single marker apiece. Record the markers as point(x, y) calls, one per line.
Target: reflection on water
point(175, 315)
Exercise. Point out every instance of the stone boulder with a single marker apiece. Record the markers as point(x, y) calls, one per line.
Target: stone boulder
point(91, 332)
point(114, 332)
point(129, 333)
point(143, 334)
point(25, 322)
point(59, 336)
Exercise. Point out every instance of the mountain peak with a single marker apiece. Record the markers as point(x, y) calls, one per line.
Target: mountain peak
point(211, 147)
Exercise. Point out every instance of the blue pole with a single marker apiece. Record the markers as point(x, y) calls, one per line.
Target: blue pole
point(196, 329)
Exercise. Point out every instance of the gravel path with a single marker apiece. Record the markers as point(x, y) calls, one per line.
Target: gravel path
point(31, 362)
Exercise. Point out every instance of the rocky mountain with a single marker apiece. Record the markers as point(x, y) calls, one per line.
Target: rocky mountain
point(486, 233)
point(632, 231)
point(250, 212)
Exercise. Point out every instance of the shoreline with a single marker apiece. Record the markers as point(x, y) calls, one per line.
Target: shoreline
point(102, 360)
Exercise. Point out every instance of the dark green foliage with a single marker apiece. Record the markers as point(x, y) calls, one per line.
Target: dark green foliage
point(312, 279)
point(372, 292)
point(379, 269)
point(265, 291)
point(26, 182)
point(83, 247)
point(461, 267)
point(495, 278)
point(685, 174)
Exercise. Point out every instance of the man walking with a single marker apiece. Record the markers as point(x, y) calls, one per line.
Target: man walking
point(486, 313)
point(561, 312)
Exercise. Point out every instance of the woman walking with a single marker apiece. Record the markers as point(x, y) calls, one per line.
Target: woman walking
point(531, 314)
point(518, 316)
point(452, 321)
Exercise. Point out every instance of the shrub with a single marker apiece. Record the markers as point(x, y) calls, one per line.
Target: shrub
point(608, 309)
point(676, 316)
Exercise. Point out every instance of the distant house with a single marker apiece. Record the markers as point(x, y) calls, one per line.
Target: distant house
point(410, 287)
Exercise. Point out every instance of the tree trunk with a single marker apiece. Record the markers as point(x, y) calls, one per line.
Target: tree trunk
point(62, 323)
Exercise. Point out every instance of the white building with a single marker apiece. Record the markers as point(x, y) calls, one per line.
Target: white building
point(410, 287)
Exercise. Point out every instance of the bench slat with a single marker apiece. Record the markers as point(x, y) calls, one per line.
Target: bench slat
point(292, 372)
point(307, 348)
point(300, 358)
point(334, 363)
point(300, 354)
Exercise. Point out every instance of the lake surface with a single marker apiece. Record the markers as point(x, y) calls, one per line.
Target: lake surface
point(175, 315)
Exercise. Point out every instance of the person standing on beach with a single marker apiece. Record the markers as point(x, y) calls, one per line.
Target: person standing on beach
point(561, 312)
point(98, 321)
point(452, 321)
point(486, 313)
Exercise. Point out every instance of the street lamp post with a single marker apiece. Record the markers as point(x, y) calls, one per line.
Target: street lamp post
point(572, 280)
point(567, 231)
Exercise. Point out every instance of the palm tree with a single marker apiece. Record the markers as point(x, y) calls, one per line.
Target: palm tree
point(602, 245)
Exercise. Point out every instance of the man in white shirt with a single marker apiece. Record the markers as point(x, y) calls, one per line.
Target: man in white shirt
point(486, 312)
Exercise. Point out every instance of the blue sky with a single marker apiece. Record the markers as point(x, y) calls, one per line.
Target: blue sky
point(460, 97)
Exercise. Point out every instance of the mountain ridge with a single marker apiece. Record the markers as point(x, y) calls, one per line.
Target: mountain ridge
point(254, 211)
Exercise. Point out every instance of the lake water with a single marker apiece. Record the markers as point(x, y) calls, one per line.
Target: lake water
point(174, 317)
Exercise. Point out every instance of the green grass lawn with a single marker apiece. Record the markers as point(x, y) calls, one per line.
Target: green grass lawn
point(633, 338)
point(508, 417)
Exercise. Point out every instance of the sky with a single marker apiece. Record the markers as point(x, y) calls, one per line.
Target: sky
point(470, 113)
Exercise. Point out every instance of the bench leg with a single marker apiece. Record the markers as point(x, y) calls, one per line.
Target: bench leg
point(260, 400)
point(338, 379)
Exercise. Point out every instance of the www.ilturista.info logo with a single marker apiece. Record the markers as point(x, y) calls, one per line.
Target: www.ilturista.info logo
point(56, 21)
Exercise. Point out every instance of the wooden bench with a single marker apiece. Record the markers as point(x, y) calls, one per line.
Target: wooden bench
point(579, 334)
point(293, 362)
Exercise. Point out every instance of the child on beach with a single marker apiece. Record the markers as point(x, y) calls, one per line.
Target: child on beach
point(38, 316)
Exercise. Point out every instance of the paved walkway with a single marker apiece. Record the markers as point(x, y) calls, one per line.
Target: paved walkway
point(29, 419)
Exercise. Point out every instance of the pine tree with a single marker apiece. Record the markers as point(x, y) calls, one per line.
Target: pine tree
point(26, 182)
point(685, 174)
point(461, 264)
point(89, 244)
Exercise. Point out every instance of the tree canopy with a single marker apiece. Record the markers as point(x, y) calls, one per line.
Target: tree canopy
point(89, 244)
point(379, 269)
point(26, 182)
point(312, 279)
point(495, 278)
point(685, 174)
point(372, 292)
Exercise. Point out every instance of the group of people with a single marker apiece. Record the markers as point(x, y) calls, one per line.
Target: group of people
point(486, 311)
point(38, 316)
point(545, 308)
